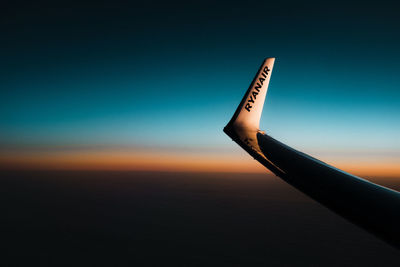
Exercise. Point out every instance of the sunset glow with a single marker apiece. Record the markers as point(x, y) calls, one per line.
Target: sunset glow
point(178, 161)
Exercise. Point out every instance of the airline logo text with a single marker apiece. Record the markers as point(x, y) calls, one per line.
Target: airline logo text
point(253, 94)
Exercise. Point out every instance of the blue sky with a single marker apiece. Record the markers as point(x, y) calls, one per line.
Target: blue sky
point(172, 76)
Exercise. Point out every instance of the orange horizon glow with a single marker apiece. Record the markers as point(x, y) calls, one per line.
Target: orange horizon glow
point(117, 160)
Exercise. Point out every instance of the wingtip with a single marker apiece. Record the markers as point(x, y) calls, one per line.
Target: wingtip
point(249, 111)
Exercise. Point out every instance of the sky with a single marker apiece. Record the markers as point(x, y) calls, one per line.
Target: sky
point(150, 86)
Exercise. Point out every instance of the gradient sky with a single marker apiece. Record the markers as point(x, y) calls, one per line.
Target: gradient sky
point(165, 78)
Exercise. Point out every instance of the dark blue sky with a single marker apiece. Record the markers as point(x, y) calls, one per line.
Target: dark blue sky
point(171, 75)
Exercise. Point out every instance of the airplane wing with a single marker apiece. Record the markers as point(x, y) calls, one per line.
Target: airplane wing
point(370, 206)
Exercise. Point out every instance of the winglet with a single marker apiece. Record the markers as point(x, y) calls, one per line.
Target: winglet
point(248, 113)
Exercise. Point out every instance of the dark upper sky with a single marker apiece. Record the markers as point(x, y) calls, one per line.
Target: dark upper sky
point(162, 73)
